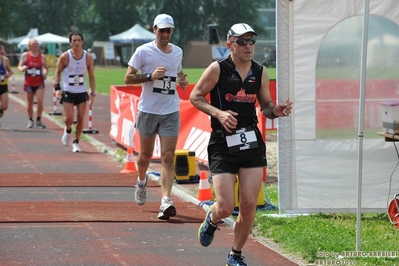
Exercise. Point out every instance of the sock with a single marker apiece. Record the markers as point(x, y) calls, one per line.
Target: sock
point(235, 252)
point(38, 119)
point(68, 131)
point(165, 200)
point(76, 141)
point(30, 118)
point(139, 182)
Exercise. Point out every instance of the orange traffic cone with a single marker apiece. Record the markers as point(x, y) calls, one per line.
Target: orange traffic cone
point(204, 191)
point(130, 166)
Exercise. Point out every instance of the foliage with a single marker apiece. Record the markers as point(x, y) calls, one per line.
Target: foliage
point(97, 19)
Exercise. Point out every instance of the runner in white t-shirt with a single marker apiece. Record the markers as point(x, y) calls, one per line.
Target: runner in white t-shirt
point(159, 64)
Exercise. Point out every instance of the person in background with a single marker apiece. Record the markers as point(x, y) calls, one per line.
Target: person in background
point(5, 73)
point(266, 56)
point(72, 89)
point(34, 64)
point(236, 148)
point(160, 66)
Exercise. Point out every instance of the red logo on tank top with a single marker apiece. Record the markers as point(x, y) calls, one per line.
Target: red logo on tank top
point(241, 96)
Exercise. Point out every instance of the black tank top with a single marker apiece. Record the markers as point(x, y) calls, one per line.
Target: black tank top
point(231, 93)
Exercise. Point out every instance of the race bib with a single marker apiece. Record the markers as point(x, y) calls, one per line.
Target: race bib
point(76, 80)
point(166, 85)
point(33, 72)
point(242, 139)
point(1, 78)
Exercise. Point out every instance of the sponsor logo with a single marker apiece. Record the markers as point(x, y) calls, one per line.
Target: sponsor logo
point(241, 96)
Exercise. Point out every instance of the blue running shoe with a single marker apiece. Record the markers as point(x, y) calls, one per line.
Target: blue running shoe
point(235, 260)
point(207, 229)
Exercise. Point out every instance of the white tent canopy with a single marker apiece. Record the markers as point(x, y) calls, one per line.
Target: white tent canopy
point(136, 34)
point(319, 70)
point(46, 38)
point(32, 33)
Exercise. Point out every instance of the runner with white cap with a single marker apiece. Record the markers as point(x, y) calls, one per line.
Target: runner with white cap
point(236, 148)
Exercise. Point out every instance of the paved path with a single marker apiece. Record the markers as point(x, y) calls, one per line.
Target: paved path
point(64, 208)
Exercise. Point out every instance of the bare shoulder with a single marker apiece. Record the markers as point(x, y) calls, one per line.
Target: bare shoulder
point(213, 69)
point(24, 55)
point(64, 55)
point(63, 59)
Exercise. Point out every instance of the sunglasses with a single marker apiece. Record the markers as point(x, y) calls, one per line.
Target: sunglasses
point(167, 30)
point(243, 42)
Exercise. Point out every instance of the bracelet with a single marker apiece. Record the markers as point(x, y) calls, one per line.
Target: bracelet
point(57, 87)
point(275, 116)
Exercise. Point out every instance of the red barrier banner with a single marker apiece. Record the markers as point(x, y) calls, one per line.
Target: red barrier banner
point(194, 129)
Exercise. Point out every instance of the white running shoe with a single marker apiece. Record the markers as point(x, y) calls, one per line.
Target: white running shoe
point(75, 147)
point(39, 124)
point(140, 194)
point(166, 210)
point(30, 124)
point(66, 138)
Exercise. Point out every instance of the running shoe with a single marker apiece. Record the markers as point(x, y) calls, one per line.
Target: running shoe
point(140, 194)
point(207, 229)
point(75, 147)
point(30, 124)
point(166, 210)
point(66, 138)
point(39, 124)
point(235, 260)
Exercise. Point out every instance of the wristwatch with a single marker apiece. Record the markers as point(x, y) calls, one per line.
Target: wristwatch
point(93, 94)
point(148, 76)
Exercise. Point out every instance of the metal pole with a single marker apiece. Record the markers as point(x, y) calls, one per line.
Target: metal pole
point(361, 119)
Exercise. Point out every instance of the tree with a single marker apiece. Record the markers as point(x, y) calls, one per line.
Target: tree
point(115, 16)
point(98, 19)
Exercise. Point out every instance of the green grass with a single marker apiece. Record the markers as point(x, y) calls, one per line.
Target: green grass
point(312, 236)
point(107, 76)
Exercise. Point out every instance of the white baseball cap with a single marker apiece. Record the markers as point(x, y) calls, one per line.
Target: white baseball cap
point(240, 29)
point(164, 21)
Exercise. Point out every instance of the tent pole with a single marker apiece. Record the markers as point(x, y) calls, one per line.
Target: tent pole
point(361, 120)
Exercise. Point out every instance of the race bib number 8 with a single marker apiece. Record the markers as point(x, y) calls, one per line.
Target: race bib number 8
point(166, 85)
point(242, 139)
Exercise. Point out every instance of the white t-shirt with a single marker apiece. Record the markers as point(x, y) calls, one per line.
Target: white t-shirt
point(159, 96)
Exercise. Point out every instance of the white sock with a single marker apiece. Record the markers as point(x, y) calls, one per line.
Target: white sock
point(165, 200)
point(139, 182)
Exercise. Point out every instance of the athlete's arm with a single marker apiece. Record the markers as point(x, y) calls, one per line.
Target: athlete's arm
point(45, 66)
point(22, 61)
point(205, 85)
